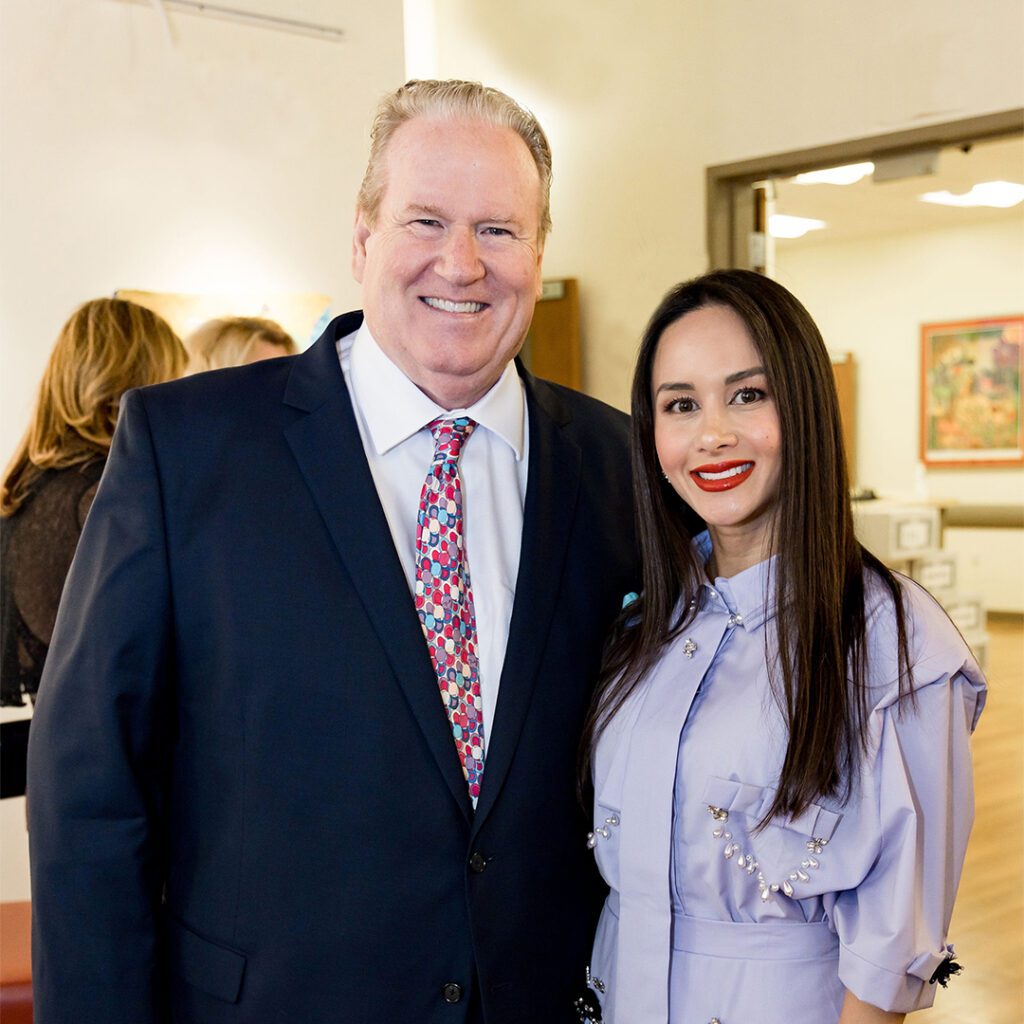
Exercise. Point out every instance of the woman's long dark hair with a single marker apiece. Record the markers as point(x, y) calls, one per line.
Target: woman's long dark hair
point(819, 584)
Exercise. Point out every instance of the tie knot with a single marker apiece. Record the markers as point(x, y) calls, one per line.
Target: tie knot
point(449, 436)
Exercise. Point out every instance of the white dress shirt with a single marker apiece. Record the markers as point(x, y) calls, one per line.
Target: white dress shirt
point(393, 416)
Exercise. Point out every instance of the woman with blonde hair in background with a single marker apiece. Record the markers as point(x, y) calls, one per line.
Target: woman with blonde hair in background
point(235, 341)
point(105, 348)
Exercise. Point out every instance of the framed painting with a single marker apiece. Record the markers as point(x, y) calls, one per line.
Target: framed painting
point(302, 315)
point(971, 393)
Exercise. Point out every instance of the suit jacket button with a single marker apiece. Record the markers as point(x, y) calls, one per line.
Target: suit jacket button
point(452, 992)
point(477, 863)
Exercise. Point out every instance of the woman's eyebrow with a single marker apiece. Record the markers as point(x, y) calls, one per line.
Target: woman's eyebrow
point(754, 371)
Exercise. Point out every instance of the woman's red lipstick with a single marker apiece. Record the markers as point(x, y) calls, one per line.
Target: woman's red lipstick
point(721, 476)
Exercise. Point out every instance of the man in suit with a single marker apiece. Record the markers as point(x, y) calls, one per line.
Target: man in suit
point(292, 761)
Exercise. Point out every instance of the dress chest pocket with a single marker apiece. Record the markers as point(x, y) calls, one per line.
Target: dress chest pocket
point(785, 857)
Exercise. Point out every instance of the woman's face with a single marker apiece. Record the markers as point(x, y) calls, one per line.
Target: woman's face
point(716, 428)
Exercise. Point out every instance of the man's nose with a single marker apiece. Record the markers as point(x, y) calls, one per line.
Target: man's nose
point(459, 261)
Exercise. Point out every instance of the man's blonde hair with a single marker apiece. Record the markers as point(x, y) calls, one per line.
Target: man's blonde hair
point(452, 100)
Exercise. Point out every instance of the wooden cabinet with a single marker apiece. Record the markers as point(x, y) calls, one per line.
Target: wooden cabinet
point(552, 349)
point(845, 371)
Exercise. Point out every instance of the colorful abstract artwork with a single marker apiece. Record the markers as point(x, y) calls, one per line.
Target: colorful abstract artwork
point(970, 393)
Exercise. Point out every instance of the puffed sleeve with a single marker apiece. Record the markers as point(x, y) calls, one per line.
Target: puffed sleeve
point(916, 782)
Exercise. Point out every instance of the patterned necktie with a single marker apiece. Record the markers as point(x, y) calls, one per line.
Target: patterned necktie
point(444, 600)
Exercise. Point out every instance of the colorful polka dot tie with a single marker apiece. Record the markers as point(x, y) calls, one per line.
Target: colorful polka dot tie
point(444, 599)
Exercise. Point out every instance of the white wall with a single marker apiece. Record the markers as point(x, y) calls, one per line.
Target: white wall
point(232, 158)
point(638, 104)
point(870, 296)
point(228, 161)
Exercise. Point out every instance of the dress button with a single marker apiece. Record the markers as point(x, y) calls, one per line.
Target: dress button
point(477, 863)
point(452, 992)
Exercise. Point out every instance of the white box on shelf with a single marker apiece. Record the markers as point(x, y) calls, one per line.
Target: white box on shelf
point(968, 614)
point(897, 533)
point(944, 597)
point(936, 572)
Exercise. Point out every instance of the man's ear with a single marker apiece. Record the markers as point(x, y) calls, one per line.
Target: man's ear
point(360, 233)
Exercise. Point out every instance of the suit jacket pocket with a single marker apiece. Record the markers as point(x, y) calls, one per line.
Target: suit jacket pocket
point(208, 966)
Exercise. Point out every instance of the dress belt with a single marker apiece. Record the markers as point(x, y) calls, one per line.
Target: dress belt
point(763, 940)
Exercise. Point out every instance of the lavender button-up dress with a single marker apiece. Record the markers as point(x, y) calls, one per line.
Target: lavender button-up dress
point(711, 920)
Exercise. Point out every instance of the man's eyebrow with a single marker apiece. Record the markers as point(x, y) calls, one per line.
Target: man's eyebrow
point(427, 210)
point(424, 208)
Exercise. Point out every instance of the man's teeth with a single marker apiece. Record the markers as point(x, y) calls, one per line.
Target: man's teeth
point(726, 473)
point(447, 306)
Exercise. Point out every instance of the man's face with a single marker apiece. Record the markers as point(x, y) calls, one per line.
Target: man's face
point(451, 267)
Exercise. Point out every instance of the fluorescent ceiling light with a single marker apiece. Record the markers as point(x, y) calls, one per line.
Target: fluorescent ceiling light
point(848, 174)
point(782, 225)
point(1000, 194)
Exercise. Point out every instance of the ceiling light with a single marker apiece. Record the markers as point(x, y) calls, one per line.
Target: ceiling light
point(1000, 194)
point(782, 225)
point(848, 174)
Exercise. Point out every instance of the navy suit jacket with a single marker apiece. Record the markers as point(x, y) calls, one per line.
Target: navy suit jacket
point(245, 800)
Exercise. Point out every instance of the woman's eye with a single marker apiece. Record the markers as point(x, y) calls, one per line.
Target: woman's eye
point(681, 405)
point(747, 395)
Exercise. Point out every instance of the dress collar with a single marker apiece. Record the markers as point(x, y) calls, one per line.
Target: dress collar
point(749, 594)
point(394, 408)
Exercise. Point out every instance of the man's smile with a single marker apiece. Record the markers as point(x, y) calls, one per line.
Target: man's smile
point(450, 306)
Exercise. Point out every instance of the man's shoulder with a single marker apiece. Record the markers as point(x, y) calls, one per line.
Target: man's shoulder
point(236, 400)
point(215, 384)
point(577, 409)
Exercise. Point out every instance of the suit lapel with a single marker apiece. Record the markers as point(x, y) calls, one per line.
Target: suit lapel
point(328, 448)
point(551, 493)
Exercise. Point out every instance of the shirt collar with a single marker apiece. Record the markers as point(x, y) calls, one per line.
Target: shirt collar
point(394, 408)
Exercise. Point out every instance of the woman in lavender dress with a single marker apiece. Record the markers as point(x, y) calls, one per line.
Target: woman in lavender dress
point(780, 752)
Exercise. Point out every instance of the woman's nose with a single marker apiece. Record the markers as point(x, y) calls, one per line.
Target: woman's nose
point(716, 433)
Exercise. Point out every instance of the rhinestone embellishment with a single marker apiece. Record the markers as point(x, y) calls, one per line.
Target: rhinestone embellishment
point(689, 647)
point(602, 831)
point(748, 863)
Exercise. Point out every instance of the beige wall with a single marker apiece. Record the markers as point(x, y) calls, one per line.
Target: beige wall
point(639, 104)
point(870, 296)
point(228, 161)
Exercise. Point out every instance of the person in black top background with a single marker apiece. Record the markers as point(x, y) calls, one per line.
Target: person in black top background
point(105, 348)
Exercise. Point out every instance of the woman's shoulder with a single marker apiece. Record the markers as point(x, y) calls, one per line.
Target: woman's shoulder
point(936, 650)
